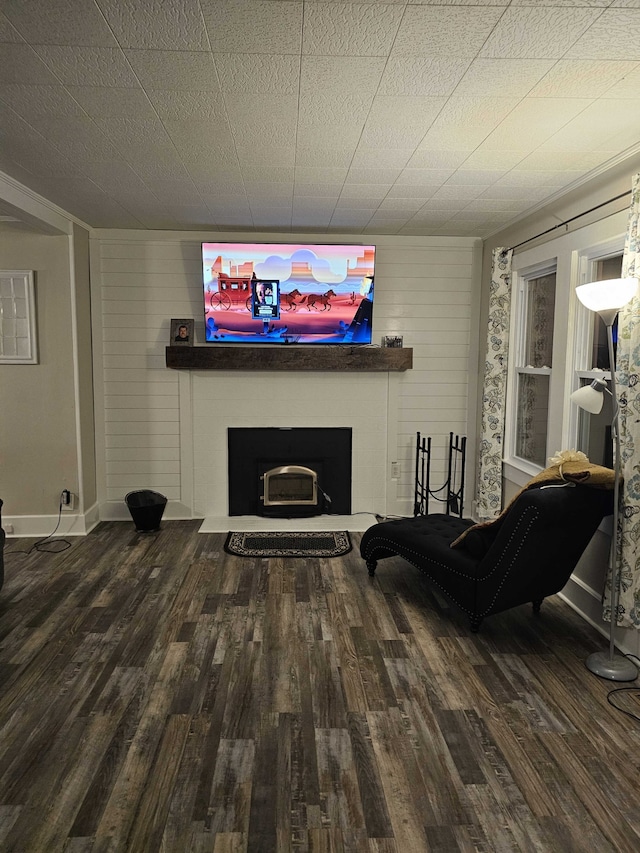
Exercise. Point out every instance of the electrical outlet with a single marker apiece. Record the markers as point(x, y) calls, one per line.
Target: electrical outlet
point(395, 470)
point(8, 528)
point(66, 499)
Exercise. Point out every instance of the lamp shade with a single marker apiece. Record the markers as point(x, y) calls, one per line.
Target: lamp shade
point(590, 397)
point(610, 294)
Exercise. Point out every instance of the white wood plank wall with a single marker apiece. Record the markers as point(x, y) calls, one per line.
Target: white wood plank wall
point(423, 291)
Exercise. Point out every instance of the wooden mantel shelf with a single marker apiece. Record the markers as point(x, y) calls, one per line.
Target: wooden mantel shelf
point(292, 357)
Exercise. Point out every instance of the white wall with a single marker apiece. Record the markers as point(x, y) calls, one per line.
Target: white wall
point(37, 429)
point(150, 420)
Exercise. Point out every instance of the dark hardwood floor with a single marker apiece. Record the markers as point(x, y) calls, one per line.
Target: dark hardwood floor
point(160, 695)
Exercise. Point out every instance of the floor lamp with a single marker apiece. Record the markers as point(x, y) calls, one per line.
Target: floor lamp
point(606, 298)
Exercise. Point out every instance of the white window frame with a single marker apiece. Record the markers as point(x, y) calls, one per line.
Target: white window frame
point(583, 339)
point(517, 466)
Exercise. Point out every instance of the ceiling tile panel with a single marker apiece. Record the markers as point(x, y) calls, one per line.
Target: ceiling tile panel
point(419, 75)
point(170, 69)
point(549, 160)
point(253, 26)
point(484, 177)
point(194, 105)
point(253, 152)
point(615, 35)
point(409, 204)
point(348, 29)
point(108, 103)
point(333, 108)
point(210, 188)
point(88, 66)
point(318, 157)
point(330, 135)
point(312, 175)
point(581, 78)
point(541, 33)
point(462, 111)
point(359, 175)
point(360, 203)
point(272, 174)
point(20, 64)
point(268, 118)
point(39, 100)
point(318, 190)
point(399, 122)
point(626, 87)
point(422, 191)
point(167, 165)
point(263, 191)
point(527, 126)
point(380, 158)
point(373, 191)
point(487, 158)
point(70, 22)
point(502, 78)
point(322, 75)
point(170, 191)
point(132, 133)
point(156, 24)
point(8, 33)
point(424, 177)
point(199, 152)
point(444, 31)
point(431, 158)
point(594, 125)
point(258, 74)
point(78, 136)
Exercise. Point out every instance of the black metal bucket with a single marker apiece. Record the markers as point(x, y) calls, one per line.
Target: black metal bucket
point(146, 508)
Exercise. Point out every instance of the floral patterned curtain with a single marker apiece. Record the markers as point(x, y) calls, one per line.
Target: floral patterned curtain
point(489, 485)
point(628, 379)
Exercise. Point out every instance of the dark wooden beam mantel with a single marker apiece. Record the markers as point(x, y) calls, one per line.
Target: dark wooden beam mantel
point(291, 357)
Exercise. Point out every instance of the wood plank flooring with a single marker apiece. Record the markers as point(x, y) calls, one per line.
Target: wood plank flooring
point(158, 694)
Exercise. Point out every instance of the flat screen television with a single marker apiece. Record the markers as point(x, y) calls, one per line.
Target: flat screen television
point(288, 293)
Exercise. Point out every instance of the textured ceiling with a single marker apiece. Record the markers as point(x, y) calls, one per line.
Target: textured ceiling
point(436, 117)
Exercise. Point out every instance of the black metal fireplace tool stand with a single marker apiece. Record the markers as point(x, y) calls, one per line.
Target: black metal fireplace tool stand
point(451, 493)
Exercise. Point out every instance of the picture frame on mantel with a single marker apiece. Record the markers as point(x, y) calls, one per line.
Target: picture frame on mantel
point(181, 333)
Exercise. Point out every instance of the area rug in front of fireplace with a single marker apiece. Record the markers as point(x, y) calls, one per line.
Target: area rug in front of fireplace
point(313, 543)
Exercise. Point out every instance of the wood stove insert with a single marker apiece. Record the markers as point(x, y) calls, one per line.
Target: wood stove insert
point(256, 451)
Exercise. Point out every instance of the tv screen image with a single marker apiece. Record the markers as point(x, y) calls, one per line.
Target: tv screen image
point(288, 293)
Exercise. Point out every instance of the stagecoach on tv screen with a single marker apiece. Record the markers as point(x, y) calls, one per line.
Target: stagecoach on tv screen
point(288, 293)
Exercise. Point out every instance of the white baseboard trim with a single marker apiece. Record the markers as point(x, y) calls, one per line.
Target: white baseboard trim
point(118, 511)
point(71, 524)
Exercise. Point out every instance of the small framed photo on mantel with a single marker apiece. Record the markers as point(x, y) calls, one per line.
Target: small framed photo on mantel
point(181, 333)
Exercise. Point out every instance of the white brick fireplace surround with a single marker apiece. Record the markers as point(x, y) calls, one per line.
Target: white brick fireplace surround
point(222, 399)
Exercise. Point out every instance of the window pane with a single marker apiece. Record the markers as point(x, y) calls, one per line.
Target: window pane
point(541, 298)
point(594, 432)
point(603, 270)
point(531, 424)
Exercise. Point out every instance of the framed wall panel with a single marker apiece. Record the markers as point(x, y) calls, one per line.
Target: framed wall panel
point(18, 339)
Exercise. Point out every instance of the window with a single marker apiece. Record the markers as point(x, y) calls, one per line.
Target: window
point(534, 347)
point(555, 346)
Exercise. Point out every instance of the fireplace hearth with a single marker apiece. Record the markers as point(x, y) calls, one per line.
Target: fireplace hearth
point(308, 467)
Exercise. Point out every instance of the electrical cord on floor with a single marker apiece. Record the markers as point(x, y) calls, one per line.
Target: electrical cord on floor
point(625, 690)
point(37, 546)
